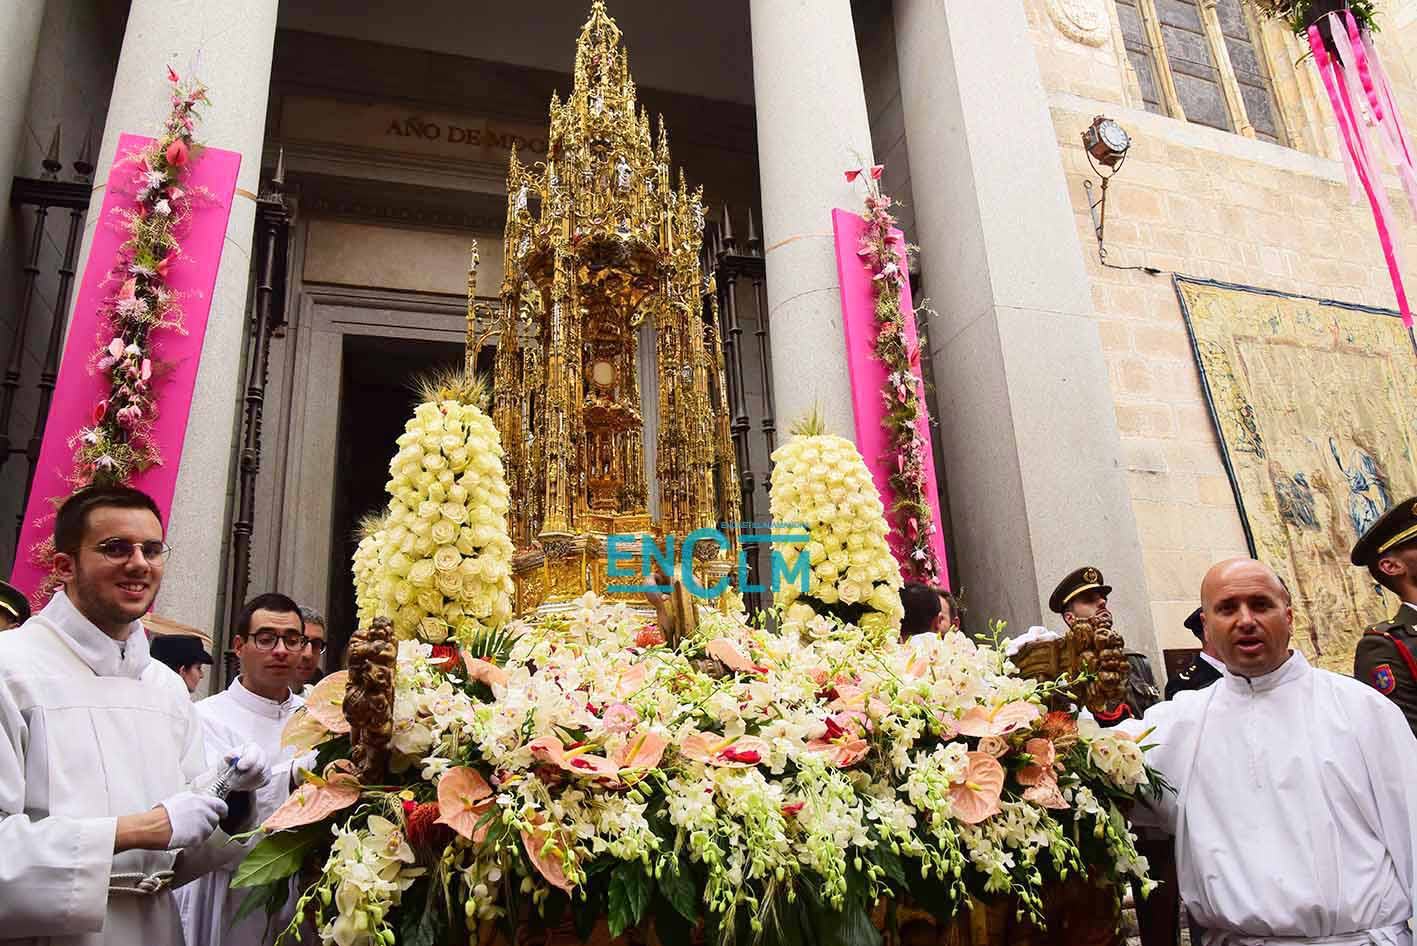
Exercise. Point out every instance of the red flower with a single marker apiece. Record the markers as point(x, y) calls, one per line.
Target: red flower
point(177, 153)
point(171, 76)
point(99, 410)
point(734, 754)
point(649, 637)
point(422, 824)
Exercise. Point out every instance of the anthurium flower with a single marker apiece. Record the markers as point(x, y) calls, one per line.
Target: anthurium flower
point(326, 702)
point(1041, 775)
point(304, 732)
point(577, 760)
point(544, 849)
point(730, 655)
point(463, 797)
point(316, 800)
point(485, 672)
point(844, 751)
point(712, 749)
point(643, 751)
point(1000, 720)
point(976, 796)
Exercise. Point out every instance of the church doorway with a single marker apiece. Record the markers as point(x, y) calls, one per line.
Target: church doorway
point(377, 395)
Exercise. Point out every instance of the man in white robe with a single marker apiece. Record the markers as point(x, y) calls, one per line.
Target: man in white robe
point(269, 641)
point(100, 747)
point(1295, 813)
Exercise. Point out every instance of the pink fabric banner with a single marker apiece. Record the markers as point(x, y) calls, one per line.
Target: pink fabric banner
point(868, 374)
point(192, 276)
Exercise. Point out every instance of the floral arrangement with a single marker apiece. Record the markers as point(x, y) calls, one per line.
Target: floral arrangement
point(1299, 14)
point(439, 561)
point(118, 444)
point(580, 771)
point(880, 252)
point(820, 481)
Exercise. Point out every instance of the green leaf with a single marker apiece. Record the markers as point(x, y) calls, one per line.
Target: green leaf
point(259, 898)
point(421, 927)
point(678, 889)
point(629, 896)
point(670, 927)
point(278, 856)
point(851, 926)
point(889, 861)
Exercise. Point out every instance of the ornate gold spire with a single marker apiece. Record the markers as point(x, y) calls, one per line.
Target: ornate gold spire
point(599, 240)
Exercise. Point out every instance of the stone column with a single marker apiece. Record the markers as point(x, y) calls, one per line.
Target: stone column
point(20, 21)
point(812, 126)
point(1036, 478)
point(229, 46)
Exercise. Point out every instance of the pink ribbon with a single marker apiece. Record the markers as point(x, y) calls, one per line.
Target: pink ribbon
point(1355, 149)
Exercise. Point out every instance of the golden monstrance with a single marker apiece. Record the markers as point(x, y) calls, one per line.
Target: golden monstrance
point(609, 391)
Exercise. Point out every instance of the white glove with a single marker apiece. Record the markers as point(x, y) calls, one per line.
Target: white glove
point(250, 764)
point(193, 817)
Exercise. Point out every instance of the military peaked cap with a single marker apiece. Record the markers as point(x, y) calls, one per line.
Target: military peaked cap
point(1084, 579)
point(1398, 526)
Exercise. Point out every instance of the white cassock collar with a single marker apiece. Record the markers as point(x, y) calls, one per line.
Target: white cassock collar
point(1294, 668)
point(259, 704)
point(105, 656)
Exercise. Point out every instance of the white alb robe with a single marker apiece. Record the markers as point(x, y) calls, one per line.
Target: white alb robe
point(1295, 811)
point(90, 730)
point(230, 720)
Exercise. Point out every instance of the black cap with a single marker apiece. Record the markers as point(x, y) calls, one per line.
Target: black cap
point(14, 606)
point(1084, 579)
point(1398, 526)
point(179, 650)
point(1194, 625)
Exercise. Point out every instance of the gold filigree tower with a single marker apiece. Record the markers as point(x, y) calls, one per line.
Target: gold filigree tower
point(602, 259)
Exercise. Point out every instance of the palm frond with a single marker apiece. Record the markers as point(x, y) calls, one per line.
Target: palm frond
point(452, 384)
point(493, 645)
point(811, 424)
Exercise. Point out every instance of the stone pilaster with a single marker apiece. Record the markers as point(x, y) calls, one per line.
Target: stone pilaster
point(1036, 478)
point(20, 21)
point(229, 46)
point(812, 126)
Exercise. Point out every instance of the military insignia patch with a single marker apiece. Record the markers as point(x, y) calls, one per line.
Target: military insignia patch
point(1383, 680)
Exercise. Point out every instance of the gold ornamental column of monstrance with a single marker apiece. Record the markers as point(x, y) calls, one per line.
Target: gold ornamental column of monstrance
point(599, 242)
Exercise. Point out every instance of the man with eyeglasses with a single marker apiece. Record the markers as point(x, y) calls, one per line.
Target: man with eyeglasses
point(311, 666)
point(269, 640)
point(105, 800)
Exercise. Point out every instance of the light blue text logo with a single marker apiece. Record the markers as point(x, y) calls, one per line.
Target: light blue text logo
point(638, 556)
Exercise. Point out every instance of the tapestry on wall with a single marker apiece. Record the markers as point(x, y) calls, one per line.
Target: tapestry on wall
point(1316, 406)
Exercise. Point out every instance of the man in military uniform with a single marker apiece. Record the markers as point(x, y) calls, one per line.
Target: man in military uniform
point(1385, 656)
point(1205, 667)
point(1082, 596)
point(14, 608)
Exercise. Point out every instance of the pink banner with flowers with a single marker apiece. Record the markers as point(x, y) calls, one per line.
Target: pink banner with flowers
point(868, 374)
point(174, 354)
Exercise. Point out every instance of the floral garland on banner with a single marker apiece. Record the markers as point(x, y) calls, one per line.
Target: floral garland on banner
point(913, 520)
point(118, 445)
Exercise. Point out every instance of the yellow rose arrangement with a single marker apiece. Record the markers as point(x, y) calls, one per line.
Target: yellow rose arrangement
point(820, 481)
point(442, 559)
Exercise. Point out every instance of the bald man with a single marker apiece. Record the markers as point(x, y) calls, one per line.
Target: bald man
point(1297, 820)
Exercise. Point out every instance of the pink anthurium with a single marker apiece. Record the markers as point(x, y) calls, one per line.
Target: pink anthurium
point(976, 796)
point(463, 798)
point(728, 653)
point(545, 853)
point(485, 672)
point(711, 749)
point(999, 720)
point(326, 702)
point(317, 799)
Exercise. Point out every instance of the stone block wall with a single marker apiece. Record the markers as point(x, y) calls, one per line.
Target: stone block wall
point(1214, 205)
